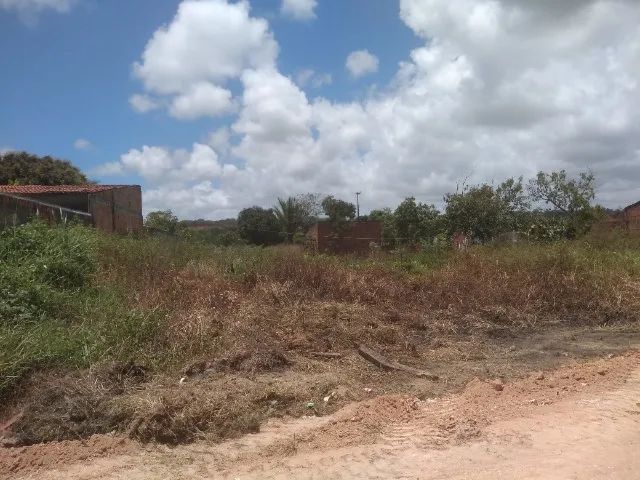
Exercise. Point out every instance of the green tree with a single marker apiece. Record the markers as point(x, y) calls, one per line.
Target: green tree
point(289, 217)
point(227, 238)
point(386, 218)
point(513, 195)
point(571, 197)
point(296, 214)
point(483, 212)
point(259, 226)
point(311, 208)
point(338, 211)
point(166, 222)
point(416, 222)
point(162, 220)
point(23, 168)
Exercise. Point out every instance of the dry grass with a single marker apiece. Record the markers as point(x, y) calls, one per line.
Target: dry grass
point(241, 324)
point(232, 303)
point(302, 303)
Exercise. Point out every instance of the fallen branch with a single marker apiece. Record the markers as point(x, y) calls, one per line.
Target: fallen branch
point(327, 354)
point(386, 364)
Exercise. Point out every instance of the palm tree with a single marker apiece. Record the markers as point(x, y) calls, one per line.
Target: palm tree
point(290, 216)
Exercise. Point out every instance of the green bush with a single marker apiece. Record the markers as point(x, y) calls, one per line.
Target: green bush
point(40, 267)
point(53, 310)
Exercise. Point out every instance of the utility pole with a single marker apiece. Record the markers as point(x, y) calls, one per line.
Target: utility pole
point(358, 205)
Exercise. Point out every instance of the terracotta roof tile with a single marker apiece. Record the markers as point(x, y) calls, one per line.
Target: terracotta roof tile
point(35, 189)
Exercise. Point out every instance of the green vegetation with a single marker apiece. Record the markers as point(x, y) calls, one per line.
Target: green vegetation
point(571, 197)
point(338, 211)
point(96, 330)
point(416, 222)
point(54, 310)
point(550, 207)
point(164, 221)
point(296, 214)
point(213, 232)
point(259, 226)
point(22, 168)
point(156, 307)
point(70, 297)
point(483, 212)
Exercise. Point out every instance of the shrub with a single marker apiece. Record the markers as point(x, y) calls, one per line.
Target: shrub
point(40, 266)
point(53, 310)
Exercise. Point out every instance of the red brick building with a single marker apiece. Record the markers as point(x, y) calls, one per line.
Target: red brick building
point(357, 237)
point(627, 219)
point(631, 217)
point(110, 208)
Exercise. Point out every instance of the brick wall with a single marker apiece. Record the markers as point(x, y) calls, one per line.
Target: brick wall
point(101, 208)
point(356, 238)
point(118, 210)
point(127, 214)
point(632, 218)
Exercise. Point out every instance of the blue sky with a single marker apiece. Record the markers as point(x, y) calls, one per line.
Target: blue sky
point(71, 74)
point(215, 105)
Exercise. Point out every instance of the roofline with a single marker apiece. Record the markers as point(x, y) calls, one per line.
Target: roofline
point(82, 188)
point(637, 204)
point(355, 220)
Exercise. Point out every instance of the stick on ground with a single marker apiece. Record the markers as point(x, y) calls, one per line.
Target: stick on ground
point(382, 362)
point(327, 354)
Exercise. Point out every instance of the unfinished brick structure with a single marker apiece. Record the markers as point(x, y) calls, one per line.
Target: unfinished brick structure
point(631, 218)
point(357, 237)
point(110, 208)
point(627, 219)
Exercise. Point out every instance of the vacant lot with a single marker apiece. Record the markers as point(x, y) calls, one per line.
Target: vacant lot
point(579, 421)
point(172, 342)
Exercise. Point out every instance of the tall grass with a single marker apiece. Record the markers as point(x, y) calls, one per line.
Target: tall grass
point(55, 311)
point(71, 297)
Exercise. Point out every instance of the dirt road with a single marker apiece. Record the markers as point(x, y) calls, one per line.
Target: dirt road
point(580, 422)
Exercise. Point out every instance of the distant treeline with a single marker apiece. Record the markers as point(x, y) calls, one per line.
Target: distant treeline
point(550, 206)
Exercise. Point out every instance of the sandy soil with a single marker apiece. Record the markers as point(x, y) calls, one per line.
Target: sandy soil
point(580, 421)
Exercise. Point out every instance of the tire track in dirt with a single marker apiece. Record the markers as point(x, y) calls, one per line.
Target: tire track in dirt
point(592, 437)
point(581, 421)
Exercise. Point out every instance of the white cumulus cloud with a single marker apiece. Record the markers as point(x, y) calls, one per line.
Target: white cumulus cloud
point(143, 103)
point(37, 5)
point(207, 43)
point(82, 144)
point(202, 100)
point(159, 164)
point(202, 200)
point(208, 40)
point(109, 169)
point(498, 88)
point(220, 140)
point(28, 10)
point(309, 77)
point(361, 62)
point(299, 9)
point(182, 180)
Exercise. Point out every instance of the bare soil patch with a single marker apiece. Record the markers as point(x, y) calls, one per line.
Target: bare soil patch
point(14, 461)
point(213, 405)
point(511, 430)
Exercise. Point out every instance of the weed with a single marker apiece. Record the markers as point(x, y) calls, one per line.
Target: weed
point(73, 298)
